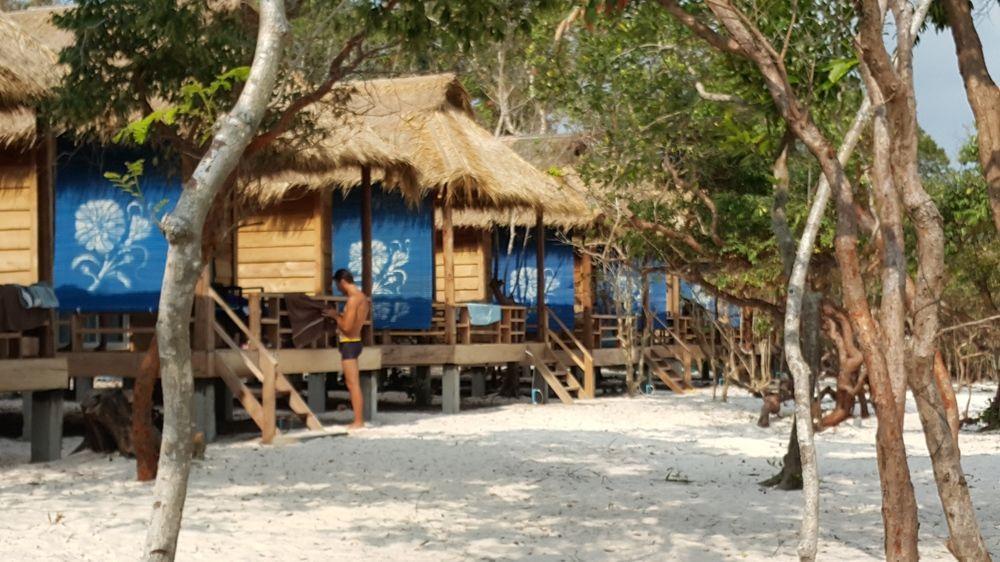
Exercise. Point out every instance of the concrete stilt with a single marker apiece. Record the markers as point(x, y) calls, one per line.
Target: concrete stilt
point(204, 409)
point(46, 425)
point(316, 391)
point(26, 416)
point(82, 388)
point(478, 383)
point(422, 394)
point(369, 391)
point(451, 397)
point(223, 402)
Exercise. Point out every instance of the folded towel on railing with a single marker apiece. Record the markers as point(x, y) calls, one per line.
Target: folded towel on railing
point(14, 316)
point(307, 320)
point(483, 314)
point(39, 295)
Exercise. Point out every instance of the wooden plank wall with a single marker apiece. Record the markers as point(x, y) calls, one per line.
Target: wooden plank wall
point(18, 218)
point(472, 265)
point(276, 250)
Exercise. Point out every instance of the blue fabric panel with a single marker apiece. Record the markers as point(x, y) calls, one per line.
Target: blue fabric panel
point(519, 272)
point(658, 295)
point(703, 298)
point(109, 253)
point(402, 256)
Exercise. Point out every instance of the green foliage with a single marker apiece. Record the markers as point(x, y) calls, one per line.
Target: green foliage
point(131, 54)
point(199, 104)
point(129, 182)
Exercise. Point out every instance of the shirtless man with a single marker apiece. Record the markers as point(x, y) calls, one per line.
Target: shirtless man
point(349, 323)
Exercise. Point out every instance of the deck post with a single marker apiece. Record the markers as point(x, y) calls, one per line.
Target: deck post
point(587, 300)
point(223, 402)
point(316, 391)
point(451, 397)
point(448, 251)
point(478, 383)
point(369, 392)
point(422, 394)
point(367, 279)
point(46, 425)
point(540, 315)
point(204, 408)
point(204, 313)
point(26, 416)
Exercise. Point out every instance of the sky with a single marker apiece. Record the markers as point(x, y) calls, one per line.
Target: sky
point(942, 108)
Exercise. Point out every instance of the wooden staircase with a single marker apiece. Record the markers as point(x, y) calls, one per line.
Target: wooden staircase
point(557, 374)
point(663, 368)
point(265, 369)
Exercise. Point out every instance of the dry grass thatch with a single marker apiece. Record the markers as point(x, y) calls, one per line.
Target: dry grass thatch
point(417, 134)
point(17, 127)
point(27, 68)
point(555, 156)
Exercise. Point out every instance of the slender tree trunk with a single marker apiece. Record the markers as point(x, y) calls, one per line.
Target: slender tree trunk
point(983, 94)
point(145, 437)
point(966, 541)
point(183, 229)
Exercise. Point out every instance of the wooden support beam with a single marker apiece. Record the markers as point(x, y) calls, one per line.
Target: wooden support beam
point(204, 313)
point(587, 299)
point(541, 316)
point(448, 251)
point(366, 231)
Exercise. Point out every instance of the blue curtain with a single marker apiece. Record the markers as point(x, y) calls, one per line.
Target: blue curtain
point(519, 272)
point(402, 255)
point(630, 282)
point(704, 299)
point(109, 252)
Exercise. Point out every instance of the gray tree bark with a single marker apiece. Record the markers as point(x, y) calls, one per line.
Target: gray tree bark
point(183, 229)
point(893, 91)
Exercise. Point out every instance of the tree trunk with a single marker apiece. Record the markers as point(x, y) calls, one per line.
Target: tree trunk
point(983, 94)
point(966, 541)
point(183, 230)
point(106, 419)
point(144, 434)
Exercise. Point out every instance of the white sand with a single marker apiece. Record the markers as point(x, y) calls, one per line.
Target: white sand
point(519, 482)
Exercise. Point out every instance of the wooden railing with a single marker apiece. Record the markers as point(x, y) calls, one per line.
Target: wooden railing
point(265, 369)
point(509, 329)
point(578, 353)
point(268, 321)
point(109, 331)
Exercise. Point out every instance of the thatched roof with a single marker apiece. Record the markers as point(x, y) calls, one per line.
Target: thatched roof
point(17, 127)
point(554, 155)
point(418, 135)
point(37, 22)
point(27, 68)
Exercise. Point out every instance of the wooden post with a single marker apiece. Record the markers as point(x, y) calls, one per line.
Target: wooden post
point(45, 211)
point(587, 299)
point(367, 280)
point(204, 313)
point(268, 398)
point(255, 316)
point(366, 231)
point(541, 316)
point(322, 217)
point(448, 251)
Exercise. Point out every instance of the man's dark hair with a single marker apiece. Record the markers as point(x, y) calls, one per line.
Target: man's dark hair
point(343, 275)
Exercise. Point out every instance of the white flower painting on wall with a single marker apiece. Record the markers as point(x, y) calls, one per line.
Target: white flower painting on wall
point(112, 246)
point(388, 274)
point(523, 283)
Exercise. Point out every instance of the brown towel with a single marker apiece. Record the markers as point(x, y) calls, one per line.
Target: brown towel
point(13, 316)
point(307, 320)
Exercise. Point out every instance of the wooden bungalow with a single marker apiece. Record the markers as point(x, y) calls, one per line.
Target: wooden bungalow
point(409, 148)
point(27, 354)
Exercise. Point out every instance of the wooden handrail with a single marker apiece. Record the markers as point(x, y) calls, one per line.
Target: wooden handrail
point(568, 332)
point(673, 332)
point(254, 341)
